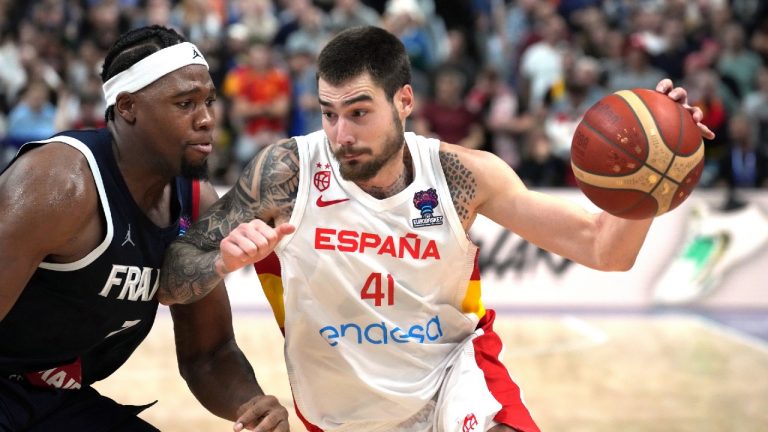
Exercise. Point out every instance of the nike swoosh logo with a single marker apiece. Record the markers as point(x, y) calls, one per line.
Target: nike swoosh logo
point(322, 203)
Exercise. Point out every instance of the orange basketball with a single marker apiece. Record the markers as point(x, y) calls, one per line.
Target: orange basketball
point(637, 154)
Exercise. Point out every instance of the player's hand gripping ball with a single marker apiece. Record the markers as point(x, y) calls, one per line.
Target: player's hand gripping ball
point(637, 154)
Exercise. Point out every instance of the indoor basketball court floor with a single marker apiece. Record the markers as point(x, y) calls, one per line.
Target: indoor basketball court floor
point(592, 372)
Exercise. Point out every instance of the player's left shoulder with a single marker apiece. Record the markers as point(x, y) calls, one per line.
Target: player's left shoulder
point(457, 159)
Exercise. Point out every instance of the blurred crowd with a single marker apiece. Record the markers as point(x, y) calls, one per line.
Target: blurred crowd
point(510, 76)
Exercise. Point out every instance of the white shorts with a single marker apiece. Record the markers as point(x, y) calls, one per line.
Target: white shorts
point(464, 403)
point(477, 393)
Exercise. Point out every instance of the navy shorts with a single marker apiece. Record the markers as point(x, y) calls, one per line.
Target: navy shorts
point(35, 409)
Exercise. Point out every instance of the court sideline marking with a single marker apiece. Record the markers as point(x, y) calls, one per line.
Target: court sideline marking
point(589, 336)
point(733, 333)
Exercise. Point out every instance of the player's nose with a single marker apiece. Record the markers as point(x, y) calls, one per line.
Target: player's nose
point(205, 118)
point(344, 132)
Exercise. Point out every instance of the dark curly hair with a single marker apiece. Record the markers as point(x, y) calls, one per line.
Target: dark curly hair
point(366, 49)
point(133, 46)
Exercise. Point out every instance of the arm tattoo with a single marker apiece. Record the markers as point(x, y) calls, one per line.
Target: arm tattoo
point(275, 192)
point(461, 183)
point(266, 190)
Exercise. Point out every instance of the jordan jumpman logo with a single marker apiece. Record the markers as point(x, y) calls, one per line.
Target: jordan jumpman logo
point(128, 237)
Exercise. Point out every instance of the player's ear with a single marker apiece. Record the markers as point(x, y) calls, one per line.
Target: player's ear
point(125, 107)
point(404, 101)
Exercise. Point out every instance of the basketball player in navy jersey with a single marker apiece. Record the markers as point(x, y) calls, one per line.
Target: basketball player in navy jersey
point(375, 283)
point(86, 218)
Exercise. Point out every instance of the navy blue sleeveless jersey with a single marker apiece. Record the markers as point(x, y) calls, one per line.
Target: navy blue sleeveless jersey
point(94, 312)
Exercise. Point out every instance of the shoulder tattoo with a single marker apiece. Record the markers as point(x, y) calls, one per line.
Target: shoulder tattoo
point(461, 183)
point(266, 190)
point(271, 181)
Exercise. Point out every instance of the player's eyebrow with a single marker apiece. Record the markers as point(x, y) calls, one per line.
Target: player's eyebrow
point(193, 90)
point(347, 102)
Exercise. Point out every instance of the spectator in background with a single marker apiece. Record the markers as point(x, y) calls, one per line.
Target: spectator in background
point(84, 65)
point(288, 19)
point(260, 95)
point(520, 31)
point(742, 165)
point(204, 22)
point(673, 49)
point(90, 114)
point(706, 92)
point(81, 107)
point(12, 73)
point(156, 12)
point(755, 105)
point(504, 122)
point(592, 31)
point(305, 110)
point(647, 21)
point(613, 51)
point(221, 161)
point(34, 117)
point(569, 99)
point(103, 23)
point(235, 47)
point(201, 20)
point(445, 116)
point(32, 65)
point(636, 71)
point(406, 20)
point(736, 62)
point(540, 166)
point(541, 65)
point(257, 16)
point(312, 31)
point(351, 13)
point(486, 36)
point(519, 24)
point(759, 40)
point(459, 56)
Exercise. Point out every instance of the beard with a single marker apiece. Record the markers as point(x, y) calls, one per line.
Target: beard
point(194, 172)
point(361, 171)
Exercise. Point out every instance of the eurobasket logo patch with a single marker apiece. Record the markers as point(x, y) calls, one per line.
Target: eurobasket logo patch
point(426, 202)
point(184, 224)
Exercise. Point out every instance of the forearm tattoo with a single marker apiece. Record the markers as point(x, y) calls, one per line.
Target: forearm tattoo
point(461, 183)
point(266, 190)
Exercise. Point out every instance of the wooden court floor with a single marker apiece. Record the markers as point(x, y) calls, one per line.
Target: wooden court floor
point(583, 373)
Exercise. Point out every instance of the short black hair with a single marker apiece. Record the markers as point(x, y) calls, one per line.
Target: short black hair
point(133, 46)
point(368, 49)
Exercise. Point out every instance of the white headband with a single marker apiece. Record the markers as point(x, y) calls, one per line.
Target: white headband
point(151, 68)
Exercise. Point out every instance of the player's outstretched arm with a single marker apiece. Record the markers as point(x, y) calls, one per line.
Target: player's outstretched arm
point(243, 227)
point(599, 241)
point(215, 369)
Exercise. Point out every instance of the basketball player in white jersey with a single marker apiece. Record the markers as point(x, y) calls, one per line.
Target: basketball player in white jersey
point(375, 283)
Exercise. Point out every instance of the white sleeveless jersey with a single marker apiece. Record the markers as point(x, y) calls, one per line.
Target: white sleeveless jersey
point(377, 293)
